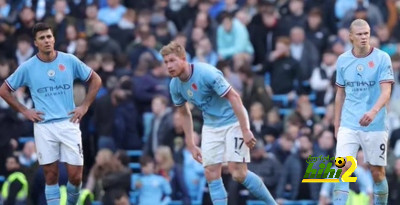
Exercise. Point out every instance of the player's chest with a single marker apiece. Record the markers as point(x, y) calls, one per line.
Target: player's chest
point(361, 72)
point(195, 92)
point(54, 74)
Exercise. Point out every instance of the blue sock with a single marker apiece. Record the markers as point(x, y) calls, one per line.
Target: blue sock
point(52, 194)
point(73, 193)
point(257, 187)
point(381, 191)
point(340, 192)
point(217, 192)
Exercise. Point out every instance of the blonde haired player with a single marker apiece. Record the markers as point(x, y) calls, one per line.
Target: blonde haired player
point(226, 133)
point(364, 78)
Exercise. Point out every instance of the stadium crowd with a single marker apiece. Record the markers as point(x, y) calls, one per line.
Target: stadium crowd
point(280, 55)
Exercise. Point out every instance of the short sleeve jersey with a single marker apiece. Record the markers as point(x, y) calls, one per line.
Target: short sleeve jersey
point(205, 89)
point(51, 83)
point(361, 79)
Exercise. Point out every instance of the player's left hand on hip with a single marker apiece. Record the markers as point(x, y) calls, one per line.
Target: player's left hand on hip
point(78, 113)
point(249, 139)
point(366, 119)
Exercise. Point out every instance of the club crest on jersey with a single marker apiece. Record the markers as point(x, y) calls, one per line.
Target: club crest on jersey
point(190, 93)
point(360, 68)
point(51, 74)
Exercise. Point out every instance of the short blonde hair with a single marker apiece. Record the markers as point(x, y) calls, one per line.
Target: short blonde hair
point(173, 48)
point(358, 22)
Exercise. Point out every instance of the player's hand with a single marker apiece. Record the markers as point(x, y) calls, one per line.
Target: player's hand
point(78, 113)
point(249, 139)
point(196, 154)
point(33, 115)
point(367, 118)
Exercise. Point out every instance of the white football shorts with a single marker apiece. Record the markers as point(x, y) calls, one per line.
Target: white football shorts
point(223, 144)
point(373, 144)
point(59, 141)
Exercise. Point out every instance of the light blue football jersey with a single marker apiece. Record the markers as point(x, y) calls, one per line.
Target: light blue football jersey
point(51, 83)
point(361, 79)
point(205, 89)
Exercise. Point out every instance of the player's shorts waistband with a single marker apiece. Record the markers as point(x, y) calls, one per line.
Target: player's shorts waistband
point(53, 120)
point(205, 127)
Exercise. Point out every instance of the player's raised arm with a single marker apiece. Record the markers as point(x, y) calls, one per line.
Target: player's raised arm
point(188, 130)
point(237, 106)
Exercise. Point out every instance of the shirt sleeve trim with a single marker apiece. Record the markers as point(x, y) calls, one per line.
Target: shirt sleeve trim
point(342, 86)
point(226, 91)
point(179, 105)
point(387, 81)
point(90, 74)
point(8, 84)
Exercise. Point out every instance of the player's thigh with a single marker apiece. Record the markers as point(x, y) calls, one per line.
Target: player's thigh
point(236, 149)
point(212, 145)
point(374, 145)
point(71, 143)
point(347, 142)
point(47, 143)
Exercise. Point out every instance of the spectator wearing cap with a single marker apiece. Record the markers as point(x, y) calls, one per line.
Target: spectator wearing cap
point(112, 13)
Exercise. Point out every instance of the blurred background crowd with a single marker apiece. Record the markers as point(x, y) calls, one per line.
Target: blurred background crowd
point(280, 55)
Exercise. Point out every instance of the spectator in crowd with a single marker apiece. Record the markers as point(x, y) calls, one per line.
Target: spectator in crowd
point(264, 34)
point(193, 172)
point(205, 52)
point(290, 186)
point(296, 16)
point(101, 42)
point(24, 49)
point(283, 70)
point(316, 31)
point(321, 78)
point(394, 184)
point(231, 76)
point(60, 20)
point(15, 188)
point(266, 166)
point(173, 173)
point(112, 13)
point(233, 41)
point(152, 188)
point(258, 124)
point(306, 54)
point(161, 126)
point(254, 89)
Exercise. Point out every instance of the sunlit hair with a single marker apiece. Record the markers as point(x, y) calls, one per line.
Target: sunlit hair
point(173, 48)
point(358, 22)
point(167, 161)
